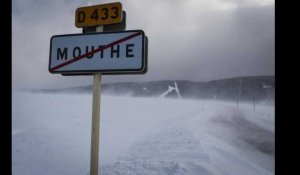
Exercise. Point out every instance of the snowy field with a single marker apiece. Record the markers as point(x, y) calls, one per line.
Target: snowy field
point(146, 136)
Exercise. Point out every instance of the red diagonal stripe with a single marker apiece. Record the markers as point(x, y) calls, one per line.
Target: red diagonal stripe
point(95, 51)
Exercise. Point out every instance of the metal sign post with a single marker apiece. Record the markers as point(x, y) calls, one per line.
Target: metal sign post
point(95, 133)
point(95, 124)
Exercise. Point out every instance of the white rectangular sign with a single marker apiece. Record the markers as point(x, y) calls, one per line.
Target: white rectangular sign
point(106, 52)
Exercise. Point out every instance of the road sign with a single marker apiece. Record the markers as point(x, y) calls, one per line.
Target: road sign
point(106, 50)
point(98, 15)
point(106, 53)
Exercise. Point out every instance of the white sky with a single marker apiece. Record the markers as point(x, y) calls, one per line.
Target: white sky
point(197, 40)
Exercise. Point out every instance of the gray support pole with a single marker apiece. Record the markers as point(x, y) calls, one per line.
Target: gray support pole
point(96, 120)
point(95, 124)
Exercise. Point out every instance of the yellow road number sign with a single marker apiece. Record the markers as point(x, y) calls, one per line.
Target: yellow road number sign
point(98, 15)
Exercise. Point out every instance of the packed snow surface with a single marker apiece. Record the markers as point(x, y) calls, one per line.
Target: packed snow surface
point(51, 134)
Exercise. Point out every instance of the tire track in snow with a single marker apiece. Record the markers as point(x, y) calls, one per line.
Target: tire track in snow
point(172, 151)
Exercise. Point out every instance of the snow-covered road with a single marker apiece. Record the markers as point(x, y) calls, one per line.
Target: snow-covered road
point(51, 135)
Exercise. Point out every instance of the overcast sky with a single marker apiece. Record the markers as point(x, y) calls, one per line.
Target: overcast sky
point(197, 40)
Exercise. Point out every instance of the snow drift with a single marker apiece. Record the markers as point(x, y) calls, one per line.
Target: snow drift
point(157, 136)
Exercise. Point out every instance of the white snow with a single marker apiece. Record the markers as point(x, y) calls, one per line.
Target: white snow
point(51, 135)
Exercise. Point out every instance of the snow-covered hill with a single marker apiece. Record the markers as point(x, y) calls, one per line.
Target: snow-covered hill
point(157, 136)
point(260, 88)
